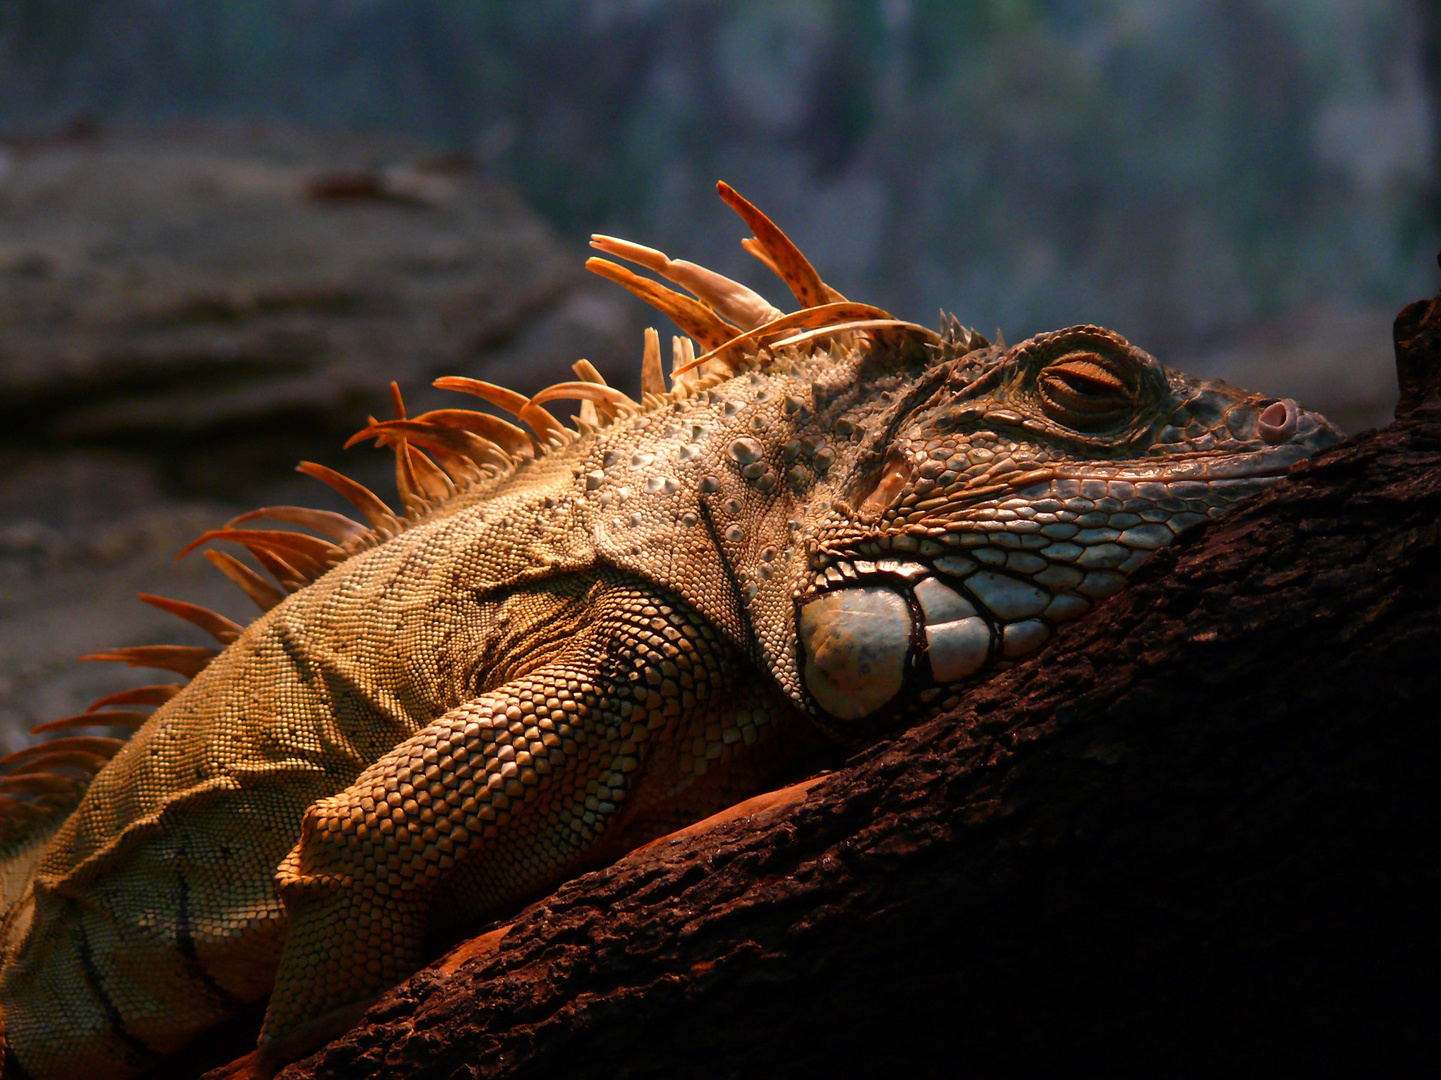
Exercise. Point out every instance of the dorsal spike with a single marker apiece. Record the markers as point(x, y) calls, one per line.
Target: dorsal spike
point(443, 437)
point(585, 371)
point(466, 469)
point(755, 248)
point(549, 430)
point(806, 319)
point(407, 484)
point(586, 391)
point(783, 257)
point(187, 660)
point(338, 527)
point(108, 718)
point(264, 594)
point(461, 470)
point(502, 397)
point(433, 482)
point(291, 579)
point(692, 316)
point(156, 694)
point(381, 517)
point(546, 427)
point(512, 440)
point(418, 479)
point(870, 325)
point(682, 357)
point(458, 451)
point(729, 299)
point(414, 479)
point(213, 623)
point(652, 377)
point(39, 784)
point(591, 412)
point(311, 550)
point(98, 745)
point(43, 763)
point(412, 498)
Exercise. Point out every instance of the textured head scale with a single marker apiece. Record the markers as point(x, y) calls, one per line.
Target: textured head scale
point(1008, 491)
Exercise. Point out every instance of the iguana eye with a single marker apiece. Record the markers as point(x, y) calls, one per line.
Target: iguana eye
point(1083, 391)
point(894, 476)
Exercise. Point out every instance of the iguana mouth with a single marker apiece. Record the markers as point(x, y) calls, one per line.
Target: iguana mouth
point(1210, 466)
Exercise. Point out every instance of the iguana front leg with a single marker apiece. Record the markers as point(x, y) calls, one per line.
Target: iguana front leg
point(622, 736)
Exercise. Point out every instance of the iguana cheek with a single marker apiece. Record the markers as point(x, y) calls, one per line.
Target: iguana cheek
point(855, 642)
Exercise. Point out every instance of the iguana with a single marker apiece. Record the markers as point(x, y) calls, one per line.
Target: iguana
point(569, 640)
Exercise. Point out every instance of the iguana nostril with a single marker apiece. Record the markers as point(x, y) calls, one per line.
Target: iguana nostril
point(1277, 421)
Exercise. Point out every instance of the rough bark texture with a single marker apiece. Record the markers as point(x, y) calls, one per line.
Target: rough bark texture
point(1196, 833)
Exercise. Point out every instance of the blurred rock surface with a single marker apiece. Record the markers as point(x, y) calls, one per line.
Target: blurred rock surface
point(186, 313)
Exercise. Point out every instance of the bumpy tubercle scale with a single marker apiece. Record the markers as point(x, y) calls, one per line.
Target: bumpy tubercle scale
point(565, 641)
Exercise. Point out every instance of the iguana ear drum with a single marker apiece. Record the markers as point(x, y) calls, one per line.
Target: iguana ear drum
point(895, 474)
point(855, 643)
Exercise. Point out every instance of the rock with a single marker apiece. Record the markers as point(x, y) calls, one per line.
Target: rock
point(182, 292)
point(185, 315)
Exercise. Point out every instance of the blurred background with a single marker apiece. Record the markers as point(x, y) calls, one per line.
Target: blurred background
point(225, 226)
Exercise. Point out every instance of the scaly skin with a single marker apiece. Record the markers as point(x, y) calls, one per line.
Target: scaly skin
point(604, 642)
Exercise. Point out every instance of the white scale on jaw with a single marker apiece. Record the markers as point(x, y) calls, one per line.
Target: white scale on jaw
point(856, 636)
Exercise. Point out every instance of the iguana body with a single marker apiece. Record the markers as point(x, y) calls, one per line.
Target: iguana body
point(566, 647)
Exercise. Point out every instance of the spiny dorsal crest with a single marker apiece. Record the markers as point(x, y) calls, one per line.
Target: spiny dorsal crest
point(446, 451)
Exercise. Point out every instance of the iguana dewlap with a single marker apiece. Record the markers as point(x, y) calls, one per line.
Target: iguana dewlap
point(570, 640)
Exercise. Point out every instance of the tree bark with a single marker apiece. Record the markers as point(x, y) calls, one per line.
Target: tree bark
point(1197, 832)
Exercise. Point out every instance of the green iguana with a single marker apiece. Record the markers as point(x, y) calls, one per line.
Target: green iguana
point(568, 641)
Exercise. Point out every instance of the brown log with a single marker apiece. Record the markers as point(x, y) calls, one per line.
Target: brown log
point(1197, 833)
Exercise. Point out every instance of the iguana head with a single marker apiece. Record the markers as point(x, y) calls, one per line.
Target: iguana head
point(961, 500)
point(999, 492)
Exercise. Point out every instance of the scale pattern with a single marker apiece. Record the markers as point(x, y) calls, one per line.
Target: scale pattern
point(566, 641)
